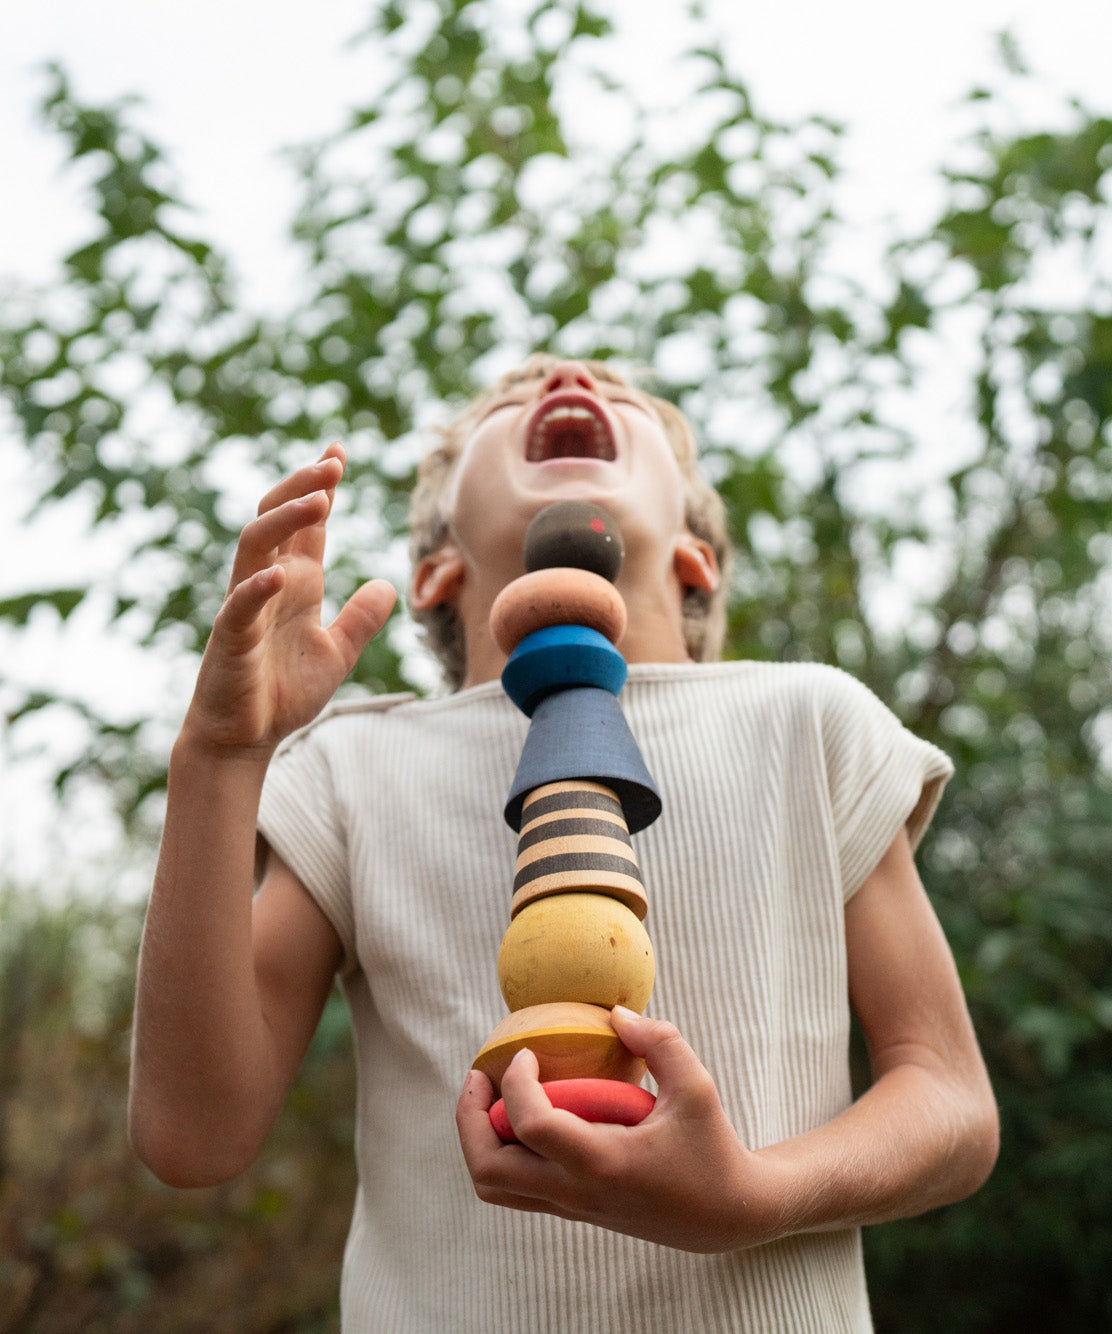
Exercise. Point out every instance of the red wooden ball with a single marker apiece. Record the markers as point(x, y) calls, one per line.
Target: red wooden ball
point(557, 596)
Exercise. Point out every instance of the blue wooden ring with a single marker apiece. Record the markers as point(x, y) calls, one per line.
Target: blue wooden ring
point(559, 657)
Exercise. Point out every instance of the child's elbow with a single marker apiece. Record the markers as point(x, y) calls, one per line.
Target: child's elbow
point(986, 1143)
point(181, 1157)
point(980, 1146)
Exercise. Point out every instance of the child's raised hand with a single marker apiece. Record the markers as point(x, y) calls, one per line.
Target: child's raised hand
point(681, 1178)
point(270, 666)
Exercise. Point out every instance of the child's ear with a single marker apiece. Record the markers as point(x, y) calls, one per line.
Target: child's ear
point(695, 563)
point(437, 578)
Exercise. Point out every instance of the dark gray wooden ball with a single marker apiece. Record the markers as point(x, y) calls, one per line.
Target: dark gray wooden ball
point(573, 532)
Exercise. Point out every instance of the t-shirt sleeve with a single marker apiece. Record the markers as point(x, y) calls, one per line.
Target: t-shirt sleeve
point(299, 817)
point(881, 776)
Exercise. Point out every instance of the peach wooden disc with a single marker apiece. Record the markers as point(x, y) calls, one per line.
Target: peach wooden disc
point(558, 596)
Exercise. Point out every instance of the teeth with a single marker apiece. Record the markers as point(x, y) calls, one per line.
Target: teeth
point(570, 431)
point(558, 414)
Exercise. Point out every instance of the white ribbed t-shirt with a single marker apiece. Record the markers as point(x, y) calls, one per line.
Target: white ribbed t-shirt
point(782, 786)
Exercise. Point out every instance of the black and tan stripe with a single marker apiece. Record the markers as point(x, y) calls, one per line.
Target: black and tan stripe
point(569, 795)
point(574, 838)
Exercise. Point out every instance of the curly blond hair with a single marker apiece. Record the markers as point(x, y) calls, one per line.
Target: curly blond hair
point(704, 613)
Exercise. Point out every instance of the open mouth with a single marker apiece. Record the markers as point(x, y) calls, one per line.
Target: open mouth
point(569, 427)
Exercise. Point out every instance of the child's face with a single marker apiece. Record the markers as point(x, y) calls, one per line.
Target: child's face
point(565, 436)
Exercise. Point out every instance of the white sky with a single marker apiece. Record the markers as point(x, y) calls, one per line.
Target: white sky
point(227, 83)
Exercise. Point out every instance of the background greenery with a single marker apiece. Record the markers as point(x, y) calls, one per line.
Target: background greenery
point(470, 212)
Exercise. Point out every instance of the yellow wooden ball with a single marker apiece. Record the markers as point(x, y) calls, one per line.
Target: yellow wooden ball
point(576, 947)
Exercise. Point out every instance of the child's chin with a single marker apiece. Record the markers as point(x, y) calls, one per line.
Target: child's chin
point(574, 479)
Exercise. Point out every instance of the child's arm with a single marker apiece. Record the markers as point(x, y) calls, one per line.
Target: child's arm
point(925, 1134)
point(230, 987)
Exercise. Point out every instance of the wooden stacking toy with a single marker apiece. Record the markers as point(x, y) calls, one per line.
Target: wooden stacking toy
point(576, 945)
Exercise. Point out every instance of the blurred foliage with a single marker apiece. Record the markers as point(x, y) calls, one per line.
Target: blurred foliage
point(503, 189)
point(88, 1239)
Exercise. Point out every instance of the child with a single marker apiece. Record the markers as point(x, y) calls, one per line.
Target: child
point(781, 888)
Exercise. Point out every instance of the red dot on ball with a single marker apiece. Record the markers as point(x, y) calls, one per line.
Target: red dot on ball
point(598, 525)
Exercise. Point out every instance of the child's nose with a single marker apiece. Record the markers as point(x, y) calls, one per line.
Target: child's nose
point(570, 375)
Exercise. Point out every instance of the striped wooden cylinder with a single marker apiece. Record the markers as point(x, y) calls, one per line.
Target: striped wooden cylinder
point(574, 837)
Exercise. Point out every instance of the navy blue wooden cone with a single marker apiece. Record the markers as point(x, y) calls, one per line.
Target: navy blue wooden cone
point(582, 733)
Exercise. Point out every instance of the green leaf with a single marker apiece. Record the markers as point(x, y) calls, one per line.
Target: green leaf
point(64, 601)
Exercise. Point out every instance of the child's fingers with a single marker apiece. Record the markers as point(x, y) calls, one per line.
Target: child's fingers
point(677, 1070)
point(361, 618)
point(550, 1132)
point(264, 535)
point(323, 475)
point(503, 1174)
point(247, 598)
point(473, 1115)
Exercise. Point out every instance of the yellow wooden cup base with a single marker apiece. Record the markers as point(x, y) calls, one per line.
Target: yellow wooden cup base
point(571, 1040)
